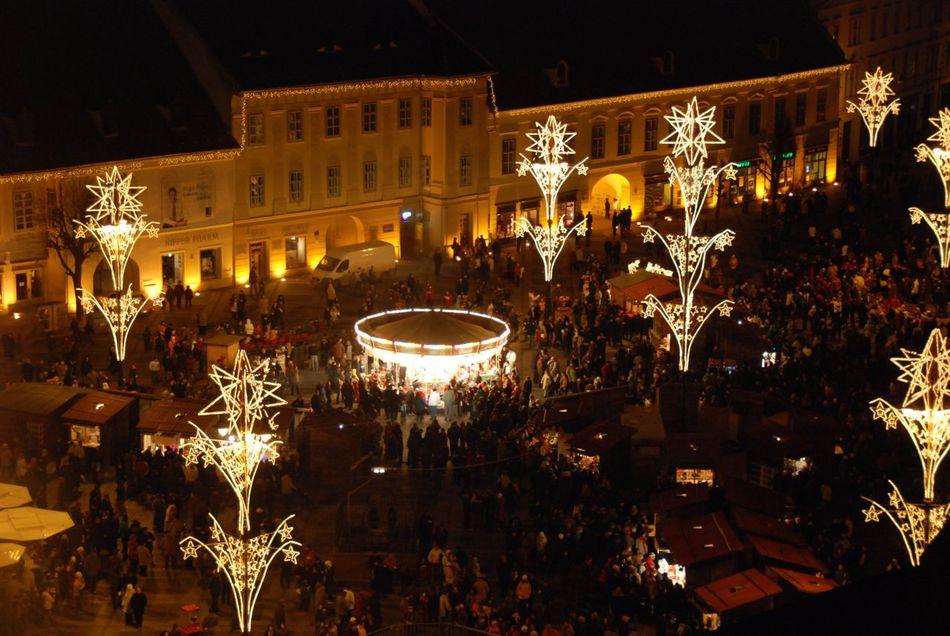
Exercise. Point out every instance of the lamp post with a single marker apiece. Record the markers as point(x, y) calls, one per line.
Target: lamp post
point(244, 400)
point(873, 102)
point(692, 132)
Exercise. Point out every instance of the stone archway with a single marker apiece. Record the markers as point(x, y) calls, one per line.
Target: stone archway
point(613, 187)
point(344, 230)
point(102, 279)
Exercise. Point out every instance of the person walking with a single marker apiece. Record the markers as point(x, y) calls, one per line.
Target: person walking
point(137, 605)
point(437, 261)
point(189, 294)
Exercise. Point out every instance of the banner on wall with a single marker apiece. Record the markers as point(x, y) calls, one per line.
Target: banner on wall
point(187, 201)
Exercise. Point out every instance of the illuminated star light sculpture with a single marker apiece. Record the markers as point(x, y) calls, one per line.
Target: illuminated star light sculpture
point(549, 147)
point(939, 156)
point(918, 524)
point(924, 414)
point(116, 222)
point(692, 132)
point(873, 104)
point(244, 400)
point(939, 224)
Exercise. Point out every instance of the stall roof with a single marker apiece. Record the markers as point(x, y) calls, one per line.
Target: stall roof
point(97, 407)
point(35, 398)
point(699, 538)
point(639, 284)
point(223, 339)
point(737, 590)
point(601, 438)
point(172, 416)
point(758, 498)
point(790, 554)
point(679, 497)
point(765, 526)
point(807, 583)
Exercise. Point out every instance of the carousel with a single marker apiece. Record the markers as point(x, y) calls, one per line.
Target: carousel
point(434, 345)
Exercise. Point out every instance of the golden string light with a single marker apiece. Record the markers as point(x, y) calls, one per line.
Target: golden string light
point(549, 147)
point(691, 134)
point(245, 397)
point(918, 524)
point(873, 104)
point(939, 155)
point(116, 222)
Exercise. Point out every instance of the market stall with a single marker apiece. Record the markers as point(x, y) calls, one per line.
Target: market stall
point(706, 545)
point(30, 414)
point(167, 423)
point(732, 597)
point(222, 349)
point(604, 447)
point(101, 422)
point(797, 557)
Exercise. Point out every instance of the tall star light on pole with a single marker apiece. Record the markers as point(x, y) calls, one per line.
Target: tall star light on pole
point(873, 103)
point(116, 222)
point(692, 133)
point(939, 155)
point(923, 414)
point(917, 524)
point(549, 149)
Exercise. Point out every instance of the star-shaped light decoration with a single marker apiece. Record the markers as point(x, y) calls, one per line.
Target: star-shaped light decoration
point(873, 104)
point(939, 155)
point(290, 554)
point(549, 148)
point(872, 514)
point(692, 131)
point(244, 395)
point(918, 524)
point(927, 374)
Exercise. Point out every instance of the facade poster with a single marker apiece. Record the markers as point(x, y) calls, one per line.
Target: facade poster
point(188, 201)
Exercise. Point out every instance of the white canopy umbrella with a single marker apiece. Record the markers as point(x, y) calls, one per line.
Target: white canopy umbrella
point(10, 553)
point(32, 524)
point(12, 496)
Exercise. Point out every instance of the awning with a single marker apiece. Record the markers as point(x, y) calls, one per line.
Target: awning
point(32, 524)
point(737, 590)
point(96, 408)
point(807, 583)
point(12, 496)
point(785, 553)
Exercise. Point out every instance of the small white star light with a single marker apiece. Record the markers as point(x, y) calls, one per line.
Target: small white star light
point(939, 155)
point(873, 103)
point(918, 524)
point(549, 148)
point(692, 132)
point(116, 222)
point(923, 414)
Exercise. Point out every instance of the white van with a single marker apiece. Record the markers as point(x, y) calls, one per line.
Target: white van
point(344, 263)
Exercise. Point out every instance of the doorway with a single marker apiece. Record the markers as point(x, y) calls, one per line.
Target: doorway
point(257, 259)
point(407, 237)
point(173, 268)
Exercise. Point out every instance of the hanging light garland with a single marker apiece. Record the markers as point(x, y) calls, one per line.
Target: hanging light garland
point(873, 103)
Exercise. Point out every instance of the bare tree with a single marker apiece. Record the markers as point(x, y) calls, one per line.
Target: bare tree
point(772, 152)
point(72, 199)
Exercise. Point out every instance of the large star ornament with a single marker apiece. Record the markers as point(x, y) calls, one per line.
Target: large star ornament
point(115, 196)
point(927, 373)
point(942, 134)
point(692, 131)
point(244, 394)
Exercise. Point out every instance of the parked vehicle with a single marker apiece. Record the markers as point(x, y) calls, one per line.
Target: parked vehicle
point(344, 264)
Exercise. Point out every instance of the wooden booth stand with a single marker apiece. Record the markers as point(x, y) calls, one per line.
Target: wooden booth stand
point(604, 447)
point(167, 423)
point(102, 423)
point(730, 598)
point(30, 414)
point(222, 349)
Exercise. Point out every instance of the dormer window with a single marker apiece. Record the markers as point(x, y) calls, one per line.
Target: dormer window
point(667, 65)
point(773, 49)
point(562, 74)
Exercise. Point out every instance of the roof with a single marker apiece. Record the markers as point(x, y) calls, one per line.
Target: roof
point(765, 526)
point(790, 554)
point(172, 416)
point(93, 82)
point(294, 43)
point(737, 590)
point(35, 398)
point(223, 340)
point(807, 583)
point(637, 285)
point(711, 42)
point(700, 538)
point(441, 328)
point(601, 438)
point(97, 407)
point(758, 498)
point(679, 497)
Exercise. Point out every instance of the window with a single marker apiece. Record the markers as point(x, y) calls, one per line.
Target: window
point(333, 121)
point(210, 262)
point(597, 138)
point(426, 111)
point(405, 172)
point(296, 186)
point(28, 285)
point(780, 119)
point(405, 113)
point(800, 108)
point(255, 128)
point(369, 117)
point(729, 121)
point(295, 252)
point(465, 170)
point(649, 134)
point(294, 125)
point(426, 169)
point(624, 137)
point(854, 31)
point(465, 111)
point(334, 186)
point(257, 190)
point(22, 210)
point(755, 117)
point(786, 171)
point(369, 176)
point(821, 106)
point(815, 162)
point(508, 155)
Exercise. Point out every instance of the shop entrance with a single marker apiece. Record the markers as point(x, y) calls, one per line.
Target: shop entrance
point(257, 259)
point(173, 268)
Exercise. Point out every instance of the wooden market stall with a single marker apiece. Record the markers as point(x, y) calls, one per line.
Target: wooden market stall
point(30, 414)
point(758, 498)
point(705, 544)
point(166, 423)
point(222, 349)
point(762, 525)
point(683, 500)
point(604, 446)
point(771, 552)
point(739, 595)
point(796, 581)
point(102, 423)
point(573, 412)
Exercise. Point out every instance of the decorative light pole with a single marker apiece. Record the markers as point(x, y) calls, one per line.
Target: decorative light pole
point(939, 156)
point(244, 400)
point(926, 420)
point(116, 222)
point(549, 147)
point(873, 104)
point(692, 132)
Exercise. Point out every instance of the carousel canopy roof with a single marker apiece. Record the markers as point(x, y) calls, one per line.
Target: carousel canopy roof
point(432, 332)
